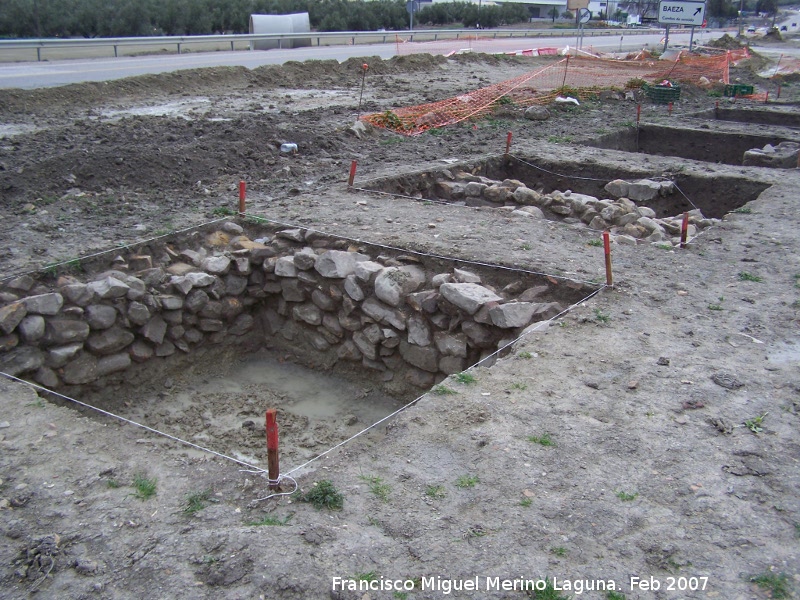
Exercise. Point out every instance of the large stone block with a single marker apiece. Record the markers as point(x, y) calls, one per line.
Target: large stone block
point(11, 315)
point(109, 341)
point(469, 297)
point(44, 304)
point(393, 284)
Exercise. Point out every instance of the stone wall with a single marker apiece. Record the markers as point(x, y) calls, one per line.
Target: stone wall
point(407, 323)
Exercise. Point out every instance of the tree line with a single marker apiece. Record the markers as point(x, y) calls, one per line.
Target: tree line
point(123, 18)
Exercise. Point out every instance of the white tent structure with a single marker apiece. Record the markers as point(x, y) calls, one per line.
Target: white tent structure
point(294, 23)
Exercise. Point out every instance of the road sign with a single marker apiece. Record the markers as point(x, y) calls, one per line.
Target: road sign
point(681, 12)
point(412, 6)
point(584, 15)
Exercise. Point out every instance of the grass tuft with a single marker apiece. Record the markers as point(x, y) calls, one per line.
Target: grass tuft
point(196, 502)
point(270, 521)
point(443, 390)
point(323, 495)
point(542, 440)
point(745, 276)
point(465, 378)
point(377, 486)
point(777, 584)
point(467, 481)
point(437, 492)
point(626, 497)
point(144, 488)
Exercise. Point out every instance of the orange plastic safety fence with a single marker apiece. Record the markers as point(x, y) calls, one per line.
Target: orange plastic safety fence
point(575, 76)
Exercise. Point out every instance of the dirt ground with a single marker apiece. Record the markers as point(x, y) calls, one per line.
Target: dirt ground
point(650, 433)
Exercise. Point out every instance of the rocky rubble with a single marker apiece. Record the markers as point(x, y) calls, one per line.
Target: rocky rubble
point(620, 214)
point(294, 289)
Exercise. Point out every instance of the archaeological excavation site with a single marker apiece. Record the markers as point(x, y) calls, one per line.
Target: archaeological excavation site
point(528, 325)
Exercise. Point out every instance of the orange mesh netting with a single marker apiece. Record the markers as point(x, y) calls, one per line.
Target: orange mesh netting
point(576, 76)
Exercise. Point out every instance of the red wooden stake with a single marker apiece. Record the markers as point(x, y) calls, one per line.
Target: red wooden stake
point(669, 111)
point(508, 143)
point(638, 113)
point(684, 229)
point(766, 98)
point(352, 174)
point(607, 248)
point(272, 448)
point(242, 196)
point(779, 92)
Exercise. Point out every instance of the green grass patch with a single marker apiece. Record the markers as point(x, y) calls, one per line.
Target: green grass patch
point(437, 492)
point(465, 378)
point(597, 243)
point(144, 488)
point(525, 354)
point(755, 423)
point(559, 551)
point(777, 584)
point(270, 521)
point(379, 488)
point(196, 502)
point(600, 316)
point(323, 495)
point(467, 481)
point(615, 596)
point(745, 276)
point(743, 210)
point(525, 502)
point(112, 483)
point(443, 390)
point(223, 211)
point(625, 496)
point(548, 593)
point(542, 440)
point(518, 385)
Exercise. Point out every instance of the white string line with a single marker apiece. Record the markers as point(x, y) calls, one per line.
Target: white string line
point(685, 196)
point(110, 250)
point(134, 423)
point(419, 253)
point(418, 398)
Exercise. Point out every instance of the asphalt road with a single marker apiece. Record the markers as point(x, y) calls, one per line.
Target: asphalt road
point(63, 72)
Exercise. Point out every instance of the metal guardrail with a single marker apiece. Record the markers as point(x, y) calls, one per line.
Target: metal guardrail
point(351, 37)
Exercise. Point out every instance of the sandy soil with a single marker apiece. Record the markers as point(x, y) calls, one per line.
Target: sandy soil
point(611, 446)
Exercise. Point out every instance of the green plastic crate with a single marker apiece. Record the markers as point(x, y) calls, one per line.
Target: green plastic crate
point(662, 94)
point(738, 89)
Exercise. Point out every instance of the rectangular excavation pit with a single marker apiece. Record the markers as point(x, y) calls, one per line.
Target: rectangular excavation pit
point(581, 192)
point(695, 144)
point(753, 116)
point(167, 332)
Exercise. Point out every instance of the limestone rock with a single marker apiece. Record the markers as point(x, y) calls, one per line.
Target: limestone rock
point(394, 283)
point(526, 196)
point(305, 258)
point(11, 315)
point(513, 314)
point(295, 235)
point(81, 370)
point(537, 113)
point(242, 325)
point(21, 360)
point(44, 304)
point(77, 293)
point(46, 377)
point(138, 313)
point(308, 313)
point(155, 329)
point(113, 363)
point(217, 265)
point(366, 347)
point(422, 357)
point(419, 333)
point(367, 270)
point(469, 297)
point(199, 279)
point(338, 264)
point(109, 287)
point(109, 341)
point(381, 313)
point(450, 344)
point(352, 288)
point(64, 331)
point(196, 300)
point(31, 328)
point(58, 357)
point(285, 267)
point(100, 316)
point(7, 342)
